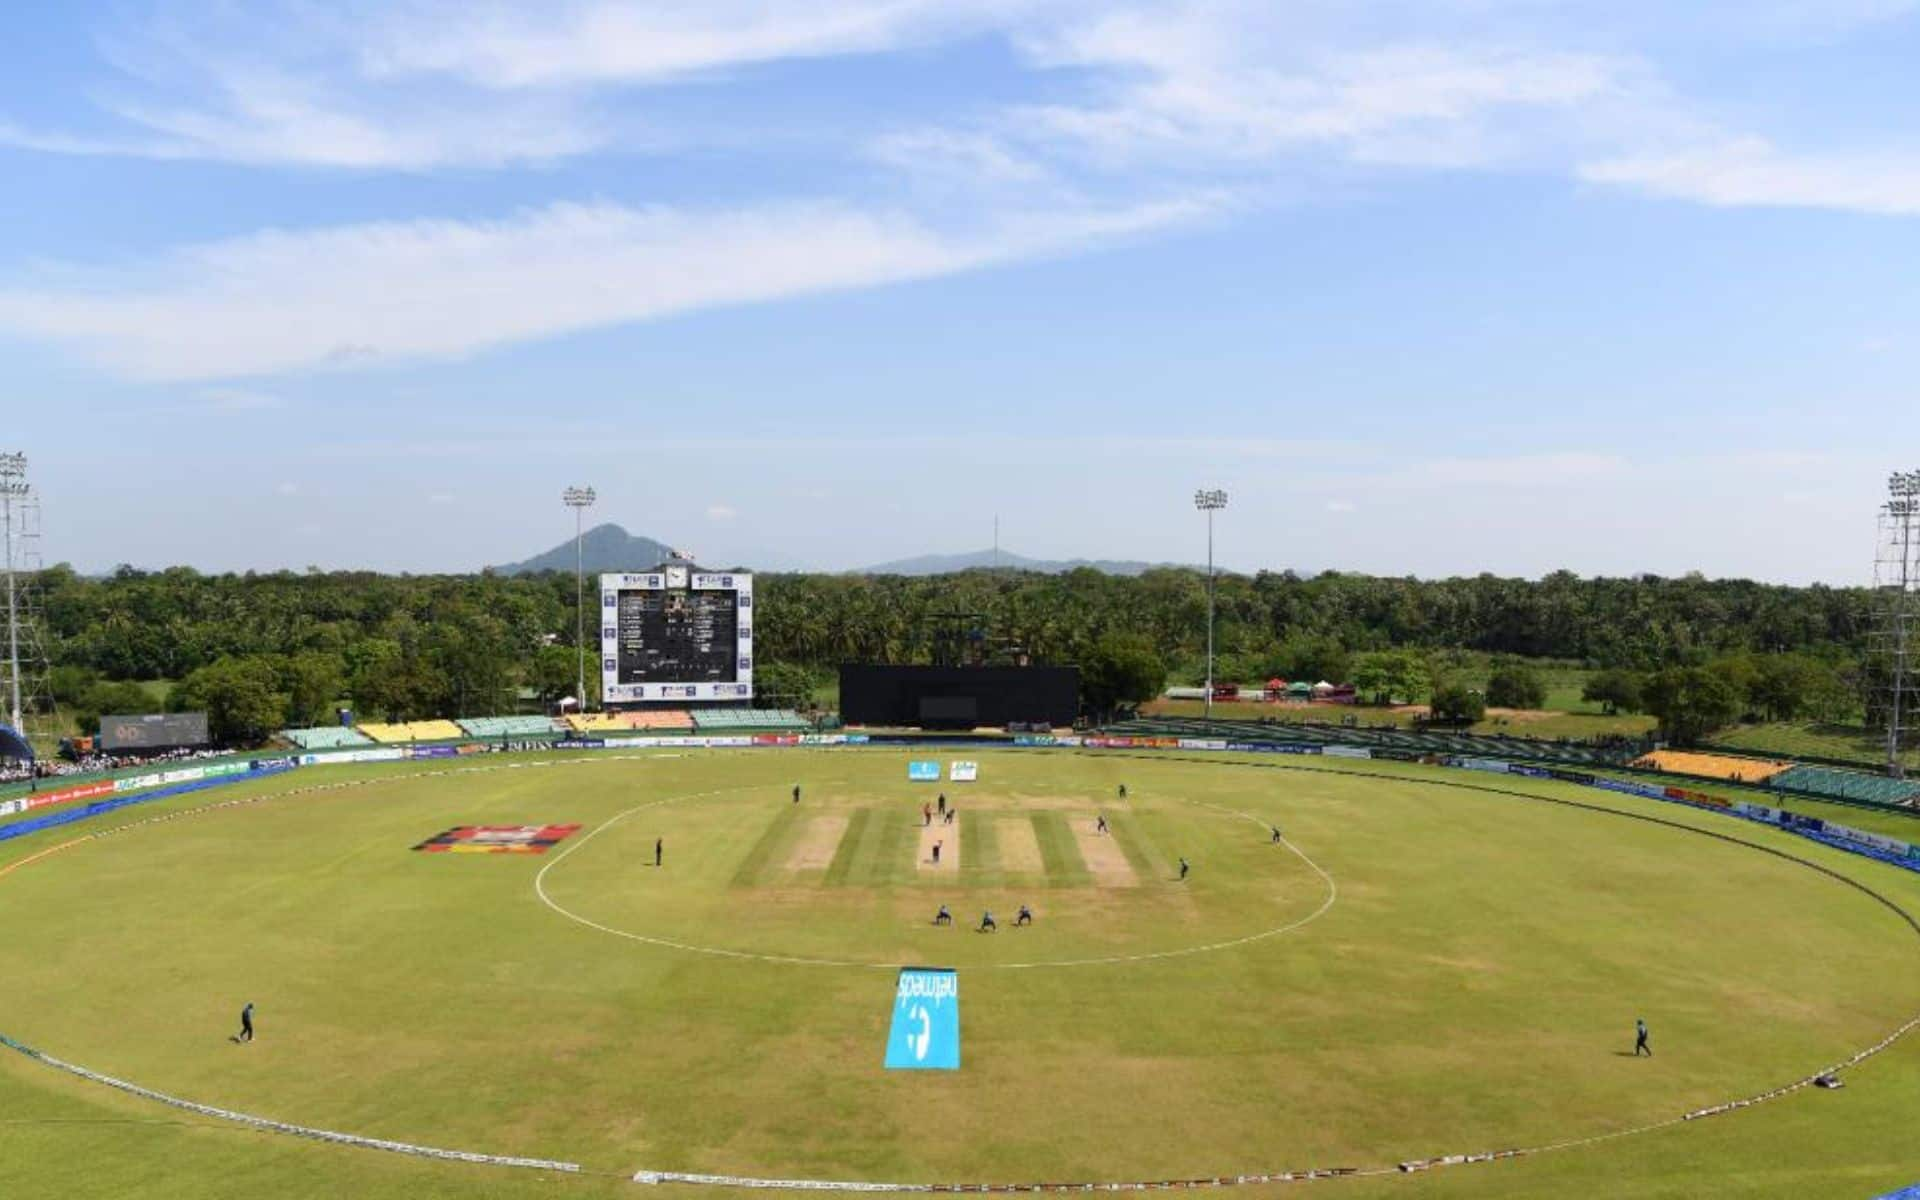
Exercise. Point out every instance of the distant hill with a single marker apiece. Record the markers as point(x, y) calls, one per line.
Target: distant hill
point(603, 548)
point(942, 564)
point(611, 548)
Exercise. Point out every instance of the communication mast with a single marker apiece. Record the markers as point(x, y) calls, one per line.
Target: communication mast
point(1892, 645)
point(23, 686)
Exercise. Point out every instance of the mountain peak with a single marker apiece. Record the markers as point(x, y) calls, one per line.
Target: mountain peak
point(605, 547)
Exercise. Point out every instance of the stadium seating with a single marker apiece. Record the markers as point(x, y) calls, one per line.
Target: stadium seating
point(675, 719)
point(1386, 738)
point(325, 737)
point(597, 723)
point(723, 720)
point(508, 726)
point(1850, 785)
point(664, 720)
point(412, 731)
point(1711, 766)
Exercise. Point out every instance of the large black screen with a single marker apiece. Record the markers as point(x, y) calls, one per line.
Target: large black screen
point(677, 636)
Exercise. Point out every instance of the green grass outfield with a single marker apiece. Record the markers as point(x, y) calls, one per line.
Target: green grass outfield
point(1470, 986)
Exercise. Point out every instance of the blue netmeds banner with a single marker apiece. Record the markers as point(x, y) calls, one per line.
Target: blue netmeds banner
point(926, 1021)
point(923, 772)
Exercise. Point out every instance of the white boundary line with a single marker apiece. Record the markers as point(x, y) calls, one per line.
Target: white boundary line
point(540, 889)
point(742, 1181)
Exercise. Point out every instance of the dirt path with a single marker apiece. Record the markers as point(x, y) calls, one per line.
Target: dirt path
point(949, 838)
point(1019, 848)
point(815, 849)
point(1106, 862)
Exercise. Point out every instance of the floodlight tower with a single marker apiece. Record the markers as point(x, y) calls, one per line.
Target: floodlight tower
point(579, 499)
point(13, 491)
point(25, 688)
point(1896, 580)
point(1209, 501)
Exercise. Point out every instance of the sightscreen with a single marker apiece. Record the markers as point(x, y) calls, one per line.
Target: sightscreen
point(153, 731)
point(676, 634)
point(957, 697)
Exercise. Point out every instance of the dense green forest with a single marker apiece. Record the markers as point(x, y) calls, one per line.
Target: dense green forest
point(405, 646)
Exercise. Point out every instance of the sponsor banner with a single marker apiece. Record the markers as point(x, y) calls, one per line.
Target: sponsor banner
point(85, 791)
point(776, 739)
point(1700, 799)
point(963, 772)
point(283, 763)
point(1495, 765)
point(1271, 748)
point(579, 744)
point(10, 807)
point(858, 739)
point(1529, 770)
point(109, 804)
point(1346, 752)
point(431, 751)
point(1758, 812)
point(921, 771)
point(382, 754)
point(1566, 776)
point(1861, 837)
point(133, 783)
point(1201, 743)
point(925, 1033)
point(1034, 739)
point(736, 739)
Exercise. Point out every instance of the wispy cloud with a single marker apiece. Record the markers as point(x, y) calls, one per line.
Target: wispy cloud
point(572, 42)
point(1752, 172)
point(399, 291)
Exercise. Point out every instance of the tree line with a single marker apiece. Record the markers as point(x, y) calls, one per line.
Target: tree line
point(403, 646)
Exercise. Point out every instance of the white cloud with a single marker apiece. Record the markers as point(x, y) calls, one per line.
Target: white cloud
point(1340, 506)
point(573, 42)
point(280, 85)
point(440, 498)
point(720, 512)
point(1239, 82)
point(399, 291)
point(286, 489)
point(1753, 172)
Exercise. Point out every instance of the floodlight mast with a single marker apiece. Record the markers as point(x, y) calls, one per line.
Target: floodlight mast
point(1898, 581)
point(13, 486)
point(579, 499)
point(1209, 501)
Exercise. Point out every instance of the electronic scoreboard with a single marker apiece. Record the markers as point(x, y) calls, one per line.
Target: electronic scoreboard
point(676, 633)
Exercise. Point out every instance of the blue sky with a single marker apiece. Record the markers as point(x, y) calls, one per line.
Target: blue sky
point(1434, 288)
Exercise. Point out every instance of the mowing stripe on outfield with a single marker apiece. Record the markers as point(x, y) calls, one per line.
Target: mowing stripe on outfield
point(1145, 855)
point(841, 867)
point(770, 850)
point(887, 856)
point(981, 866)
point(1058, 852)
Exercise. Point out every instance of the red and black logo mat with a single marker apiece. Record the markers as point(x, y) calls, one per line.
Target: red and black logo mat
point(498, 839)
